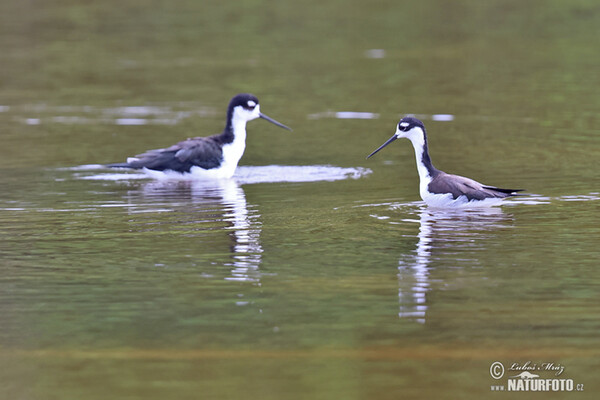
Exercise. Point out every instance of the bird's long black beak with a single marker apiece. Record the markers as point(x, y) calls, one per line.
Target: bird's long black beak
point(271, 120)
point(390, 140)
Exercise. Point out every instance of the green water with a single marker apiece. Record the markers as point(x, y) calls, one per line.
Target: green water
point(117, 286)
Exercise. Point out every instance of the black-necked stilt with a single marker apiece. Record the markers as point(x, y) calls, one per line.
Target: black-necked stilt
point(213, 156)
point(437, 188)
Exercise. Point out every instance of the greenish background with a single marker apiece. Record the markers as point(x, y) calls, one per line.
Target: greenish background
point(128, 288)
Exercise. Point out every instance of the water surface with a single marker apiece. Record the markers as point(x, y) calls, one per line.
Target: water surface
point(313, 273)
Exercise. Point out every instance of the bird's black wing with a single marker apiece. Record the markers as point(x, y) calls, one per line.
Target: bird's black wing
point(203, 152)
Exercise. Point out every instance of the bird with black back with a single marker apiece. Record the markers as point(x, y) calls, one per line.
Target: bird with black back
point(215, 156)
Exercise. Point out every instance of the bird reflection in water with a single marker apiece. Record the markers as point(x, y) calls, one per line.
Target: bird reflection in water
point(245, 231)
point(212, 203)
point(442, 233)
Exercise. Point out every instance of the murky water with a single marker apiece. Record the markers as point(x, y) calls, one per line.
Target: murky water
point(314, 273)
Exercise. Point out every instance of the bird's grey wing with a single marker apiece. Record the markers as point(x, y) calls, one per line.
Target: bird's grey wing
point(461, 186)
point(203, 152)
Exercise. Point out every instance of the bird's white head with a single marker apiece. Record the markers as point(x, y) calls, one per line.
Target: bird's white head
point(410, 128)
point(244, 107)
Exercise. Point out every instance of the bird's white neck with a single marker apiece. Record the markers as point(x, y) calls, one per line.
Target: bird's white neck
point(233, 151)
point(238, 127)
point(421, 154)
point(425, 168)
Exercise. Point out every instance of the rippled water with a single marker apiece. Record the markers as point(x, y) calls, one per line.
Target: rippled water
point(313, 273)
point(243, 175)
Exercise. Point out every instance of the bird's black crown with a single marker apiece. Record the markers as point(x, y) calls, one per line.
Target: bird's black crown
point(407, 123)
point(246, 100)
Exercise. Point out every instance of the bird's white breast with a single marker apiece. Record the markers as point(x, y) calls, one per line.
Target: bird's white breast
point(233, 152)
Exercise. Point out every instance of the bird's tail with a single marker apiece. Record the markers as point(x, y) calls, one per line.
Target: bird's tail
point(509, 192)
point(120, 165)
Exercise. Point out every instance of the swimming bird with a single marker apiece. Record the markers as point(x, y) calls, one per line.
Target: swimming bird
point(214, 156)
point(437, 188)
